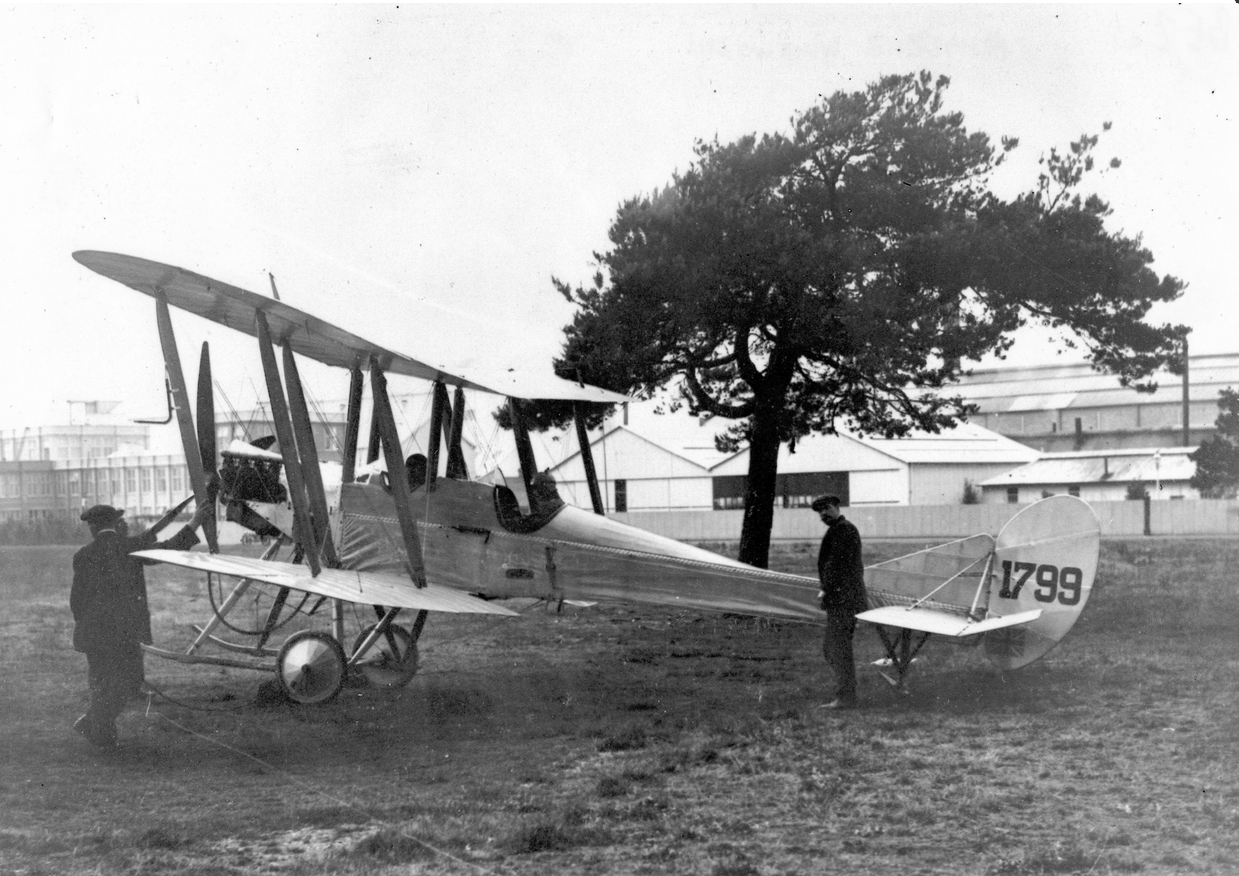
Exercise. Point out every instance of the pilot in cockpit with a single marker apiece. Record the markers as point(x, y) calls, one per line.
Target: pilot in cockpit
point(415, 470)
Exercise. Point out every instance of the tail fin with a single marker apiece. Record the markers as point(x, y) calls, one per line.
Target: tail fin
point(1044, 558)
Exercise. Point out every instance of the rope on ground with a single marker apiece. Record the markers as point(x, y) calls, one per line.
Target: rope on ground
point(307, 786)
point(152, 691)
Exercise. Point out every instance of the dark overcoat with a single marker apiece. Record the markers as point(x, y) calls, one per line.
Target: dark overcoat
point(841, 569)
point(108, 598)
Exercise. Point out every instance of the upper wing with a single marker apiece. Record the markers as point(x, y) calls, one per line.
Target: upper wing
point(310, 336)
point(371, 588)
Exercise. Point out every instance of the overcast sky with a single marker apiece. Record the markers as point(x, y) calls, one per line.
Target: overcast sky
point(419, 173)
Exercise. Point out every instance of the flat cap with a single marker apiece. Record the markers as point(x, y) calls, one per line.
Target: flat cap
point(821, 502)
point(101, 514)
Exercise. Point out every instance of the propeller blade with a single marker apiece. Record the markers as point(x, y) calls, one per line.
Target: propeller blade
point(206, 412)
point(206, 442)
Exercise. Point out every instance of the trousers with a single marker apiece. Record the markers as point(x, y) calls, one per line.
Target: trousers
point(837, 649)
point(115, 675)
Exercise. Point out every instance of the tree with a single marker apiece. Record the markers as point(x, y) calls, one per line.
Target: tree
point(1217, 457)
point(841, 273)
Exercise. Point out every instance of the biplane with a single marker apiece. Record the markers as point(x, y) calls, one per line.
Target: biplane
point(379, 536)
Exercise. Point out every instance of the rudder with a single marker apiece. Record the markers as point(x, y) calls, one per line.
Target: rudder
point(1044, 558)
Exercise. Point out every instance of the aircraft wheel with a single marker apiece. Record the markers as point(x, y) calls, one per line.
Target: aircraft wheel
point(310, 667)
point(381, 666)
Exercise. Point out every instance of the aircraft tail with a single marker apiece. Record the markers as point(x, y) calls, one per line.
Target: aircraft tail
point(1044, 558)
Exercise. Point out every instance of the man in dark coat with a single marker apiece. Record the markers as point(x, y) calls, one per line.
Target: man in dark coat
point(842, 597)
point(110, 613)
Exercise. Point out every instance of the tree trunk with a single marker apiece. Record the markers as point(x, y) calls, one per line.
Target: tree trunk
point(760, 489)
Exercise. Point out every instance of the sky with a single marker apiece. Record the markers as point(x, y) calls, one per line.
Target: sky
point(418, 174)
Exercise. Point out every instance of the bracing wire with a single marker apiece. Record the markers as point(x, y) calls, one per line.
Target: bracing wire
point(232, 411)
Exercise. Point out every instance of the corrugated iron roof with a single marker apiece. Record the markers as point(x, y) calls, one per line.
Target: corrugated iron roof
point(1118, 466)
point(966, 442)
point(1044, 387)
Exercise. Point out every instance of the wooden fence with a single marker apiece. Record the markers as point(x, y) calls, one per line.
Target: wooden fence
point(1203, 517)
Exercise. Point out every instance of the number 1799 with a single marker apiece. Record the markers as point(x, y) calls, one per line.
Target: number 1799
point(1052, 583)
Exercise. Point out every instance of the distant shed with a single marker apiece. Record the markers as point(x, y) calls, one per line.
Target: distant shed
point(1097, 476)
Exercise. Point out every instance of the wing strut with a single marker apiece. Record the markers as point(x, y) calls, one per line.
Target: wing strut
point(456, 467)
point(180, 401)
point(288, 445)
point(436, 426)
point(524, 449)
point(352, 428)
point(307, 452)
point(390, 439)
point(587, 458)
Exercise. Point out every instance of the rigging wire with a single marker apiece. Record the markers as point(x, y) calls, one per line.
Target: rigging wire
point(232, 411)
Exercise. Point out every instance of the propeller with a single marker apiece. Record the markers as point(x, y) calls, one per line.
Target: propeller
point(206, 441)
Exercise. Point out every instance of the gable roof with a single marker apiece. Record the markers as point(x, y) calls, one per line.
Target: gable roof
point(967, 442)
point(1101, 466)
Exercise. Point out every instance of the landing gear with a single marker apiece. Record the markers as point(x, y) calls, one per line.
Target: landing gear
point(310, 667)
point(391, 661)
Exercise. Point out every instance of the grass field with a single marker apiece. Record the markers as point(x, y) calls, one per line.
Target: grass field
point(621, 739)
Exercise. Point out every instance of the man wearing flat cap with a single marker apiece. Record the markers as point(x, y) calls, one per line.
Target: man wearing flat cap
point(842, 597)
point(110, 614)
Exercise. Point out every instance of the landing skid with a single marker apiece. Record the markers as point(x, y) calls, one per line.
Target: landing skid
point(901, 650)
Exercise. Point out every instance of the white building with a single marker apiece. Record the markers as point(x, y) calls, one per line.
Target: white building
point(670, 463)
point(1097, 476)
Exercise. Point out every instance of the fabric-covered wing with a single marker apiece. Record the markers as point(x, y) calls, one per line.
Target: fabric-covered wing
point(310, 336)
point(371, 588)
point(942, 623)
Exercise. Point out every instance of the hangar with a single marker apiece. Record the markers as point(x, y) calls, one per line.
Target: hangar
point(669, 462)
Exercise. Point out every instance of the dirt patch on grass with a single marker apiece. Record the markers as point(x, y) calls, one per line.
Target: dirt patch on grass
point(631, 740)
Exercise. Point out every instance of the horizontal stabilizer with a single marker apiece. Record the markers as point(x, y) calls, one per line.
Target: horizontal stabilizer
point(369, 588)
point(942, 623)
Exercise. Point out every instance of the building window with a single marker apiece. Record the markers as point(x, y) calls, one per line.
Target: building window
point(1013, 495)
point(795, 490)
point(621, 495)
point(131, 480)
point(145, 477)
point(161, 480)
point(729, 492)
point(178, 480)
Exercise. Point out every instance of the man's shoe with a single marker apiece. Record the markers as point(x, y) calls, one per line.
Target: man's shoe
point(841, 704)
point(103, 737)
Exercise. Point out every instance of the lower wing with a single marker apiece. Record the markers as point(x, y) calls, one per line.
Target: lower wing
point(371, 588)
